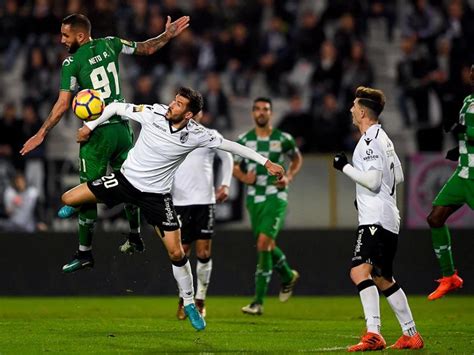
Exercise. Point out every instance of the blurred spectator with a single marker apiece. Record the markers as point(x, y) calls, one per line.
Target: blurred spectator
point(326, 77)
point(42, 23)
point(386, 9)
point(183, 51)
point(36, 76)
point(20, 203)
point(171, 8)
point(12, 28)
point(308, 36)
point(216, 111)
point(335, 9)
point(137, 22)
point(203, 17)
point(357, 71)
point(10, 137)
point(331, 126)
point(345, 35)
point(103, 16)
point(298, 122)
point(275, 55)
point(145, 90)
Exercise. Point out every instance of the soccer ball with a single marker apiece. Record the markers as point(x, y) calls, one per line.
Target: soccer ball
point(88, 104)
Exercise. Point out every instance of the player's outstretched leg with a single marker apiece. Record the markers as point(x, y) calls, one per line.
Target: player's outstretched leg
point(134, 242)
point(446, 284)
point(288, 277)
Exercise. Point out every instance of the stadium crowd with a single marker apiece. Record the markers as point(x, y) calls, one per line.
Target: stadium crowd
point(311, 54)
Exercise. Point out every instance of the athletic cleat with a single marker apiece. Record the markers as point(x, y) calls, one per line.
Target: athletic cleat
point(194, 317)
point(409, 342)
point(66, 211)
point(253, 309)
point(82, 259)
point(286, 289)
point(201, 307)
point(180, 312)
point(446, 284)
point(133, 244)
point(369, 341)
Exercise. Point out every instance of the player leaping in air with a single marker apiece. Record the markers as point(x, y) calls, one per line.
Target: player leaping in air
point(94, 64)
point(168, 134)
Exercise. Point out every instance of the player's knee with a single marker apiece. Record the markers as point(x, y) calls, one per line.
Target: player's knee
point(176, 254)
point(434, 221)
point(66, 198)
point(203, 253)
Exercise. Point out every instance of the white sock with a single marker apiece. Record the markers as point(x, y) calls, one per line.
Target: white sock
point(369, 297)
point(399, 303)
point(84, 248)
point(203, 271)
point(184, 279)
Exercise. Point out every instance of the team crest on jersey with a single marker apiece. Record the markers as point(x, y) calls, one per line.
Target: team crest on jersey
point(184, 137)
point(367, 141)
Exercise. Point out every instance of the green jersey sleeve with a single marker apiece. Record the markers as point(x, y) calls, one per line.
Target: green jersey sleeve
point(122, 45)
point(69, 74)
point(289, 146)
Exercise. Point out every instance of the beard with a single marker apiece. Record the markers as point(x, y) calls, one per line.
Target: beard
point(261, 121)
point(73, 48)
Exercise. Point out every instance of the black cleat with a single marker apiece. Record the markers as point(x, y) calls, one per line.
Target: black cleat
point(82, 259)
point(133, 244)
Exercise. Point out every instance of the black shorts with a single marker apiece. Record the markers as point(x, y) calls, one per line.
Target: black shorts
point(376, 246)
point(158, 209)
point(197, 222)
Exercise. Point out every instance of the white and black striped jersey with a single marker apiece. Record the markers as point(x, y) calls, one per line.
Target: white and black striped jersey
point(375, 151)
point(160, 148)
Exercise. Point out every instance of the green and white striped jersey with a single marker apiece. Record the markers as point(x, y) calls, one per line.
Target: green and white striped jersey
point(465, 167)
point(275, 147)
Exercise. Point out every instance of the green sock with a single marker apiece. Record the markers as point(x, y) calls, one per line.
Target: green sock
point(281, 265)
point(133, 216)
point(263, 275)
point(442, 247)
point(87, 218)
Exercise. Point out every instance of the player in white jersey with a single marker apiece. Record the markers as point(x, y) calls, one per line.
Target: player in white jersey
point(194, 199)
point(168, 134)
point(376, 171)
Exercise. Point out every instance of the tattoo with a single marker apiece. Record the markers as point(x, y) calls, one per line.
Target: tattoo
point(151, 45)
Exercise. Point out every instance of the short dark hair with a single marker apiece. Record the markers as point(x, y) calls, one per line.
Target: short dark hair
point(372, 99)
point(196, 101)
point(263, 99)
point(78, 21)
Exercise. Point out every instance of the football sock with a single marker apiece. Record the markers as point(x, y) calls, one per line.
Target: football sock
point(133, 216)
point(441, 239)
point(398, 301)
point(87, 218)
point(263, 275)
point(184, 279)
point(369, 297)
point(203, 271)
point(281, 265)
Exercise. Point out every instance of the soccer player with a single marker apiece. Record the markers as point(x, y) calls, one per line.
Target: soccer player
point(457, 191)
point(376, 171)
point(194, 199)
point(168, 134)
point(267, 200)
point(94, 64)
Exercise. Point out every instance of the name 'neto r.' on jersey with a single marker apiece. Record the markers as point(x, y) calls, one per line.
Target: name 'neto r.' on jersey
point(151, 164)
point(375, 151)
point(95, 66)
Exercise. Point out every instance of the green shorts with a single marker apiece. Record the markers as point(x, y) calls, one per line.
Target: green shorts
point(456, 191)
point(108, 144)
point(267, 217)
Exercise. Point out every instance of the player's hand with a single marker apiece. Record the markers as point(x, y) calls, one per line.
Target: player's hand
point(222, 193)
point(340, 161)
point(283, 182)
point(173, 29)
point(83, 134)
point(249, 178)
point(32, 143)
point(275, 169)
point(453, 154)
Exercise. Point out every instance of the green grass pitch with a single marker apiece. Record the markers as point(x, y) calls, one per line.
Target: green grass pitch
point(148, 325)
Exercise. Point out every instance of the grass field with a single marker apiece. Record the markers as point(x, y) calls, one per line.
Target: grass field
point(148, 325)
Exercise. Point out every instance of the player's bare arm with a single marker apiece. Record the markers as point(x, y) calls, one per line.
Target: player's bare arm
point(172, 29)
point(247, 178)
point(61, 106)
point(295, 166)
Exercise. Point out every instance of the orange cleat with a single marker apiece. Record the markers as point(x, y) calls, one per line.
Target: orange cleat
point(446, 284)
point(409, 342)
point(369, 341)
point(201, 307)
point(180, 314)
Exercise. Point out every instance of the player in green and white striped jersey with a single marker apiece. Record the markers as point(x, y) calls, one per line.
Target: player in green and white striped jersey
point(456, 192)
point(93, 64)
point(267, 199)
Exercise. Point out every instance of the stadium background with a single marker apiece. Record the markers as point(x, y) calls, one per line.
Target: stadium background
point(308, 56)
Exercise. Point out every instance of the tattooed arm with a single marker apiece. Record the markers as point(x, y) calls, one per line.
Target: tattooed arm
point(172, 29)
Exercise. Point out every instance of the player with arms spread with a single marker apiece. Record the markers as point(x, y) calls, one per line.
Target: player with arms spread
point(168, 134)
point(93, 64)
point(376, 171)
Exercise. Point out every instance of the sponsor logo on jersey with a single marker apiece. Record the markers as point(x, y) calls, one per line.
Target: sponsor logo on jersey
point(372, 230)
point(184, 137)
point(138, 108)
point(367, 140)
point(97, 182)
point(369, 152)
point(370, 157)
point(68, 61)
